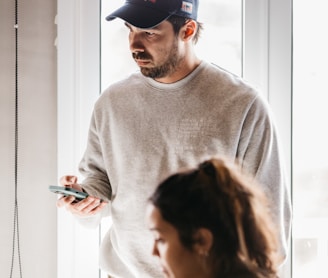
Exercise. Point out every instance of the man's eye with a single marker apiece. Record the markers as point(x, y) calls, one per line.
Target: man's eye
point(150, 34)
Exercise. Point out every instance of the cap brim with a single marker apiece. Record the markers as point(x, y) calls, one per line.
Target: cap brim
point(141, 17)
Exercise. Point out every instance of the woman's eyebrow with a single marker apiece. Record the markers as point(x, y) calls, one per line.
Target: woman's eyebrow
point(154, 228)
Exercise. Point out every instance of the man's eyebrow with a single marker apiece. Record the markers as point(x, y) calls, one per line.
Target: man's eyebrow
point(145, 29)
point(154, 28)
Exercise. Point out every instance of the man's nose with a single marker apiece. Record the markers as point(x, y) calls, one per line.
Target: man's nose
point(136, 44)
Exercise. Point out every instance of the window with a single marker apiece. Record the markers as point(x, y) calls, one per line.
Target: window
point(310, 137)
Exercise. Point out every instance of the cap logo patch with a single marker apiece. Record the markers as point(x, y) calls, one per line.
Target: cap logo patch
point(186, 7)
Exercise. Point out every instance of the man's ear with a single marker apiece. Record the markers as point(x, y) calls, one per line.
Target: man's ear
point(203, 239)
point(189, 30)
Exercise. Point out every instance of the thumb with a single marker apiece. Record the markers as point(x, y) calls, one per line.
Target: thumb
point(68, 180)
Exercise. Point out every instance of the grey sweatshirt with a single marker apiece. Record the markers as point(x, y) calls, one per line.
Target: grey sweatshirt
point(141, 131)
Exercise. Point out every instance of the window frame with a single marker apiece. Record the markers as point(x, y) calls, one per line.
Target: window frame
point(267, 63)
point(78, 71)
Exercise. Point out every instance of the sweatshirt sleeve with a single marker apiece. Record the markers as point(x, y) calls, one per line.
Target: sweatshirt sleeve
point(92, 166)
point(96, 182)
point(260, 155)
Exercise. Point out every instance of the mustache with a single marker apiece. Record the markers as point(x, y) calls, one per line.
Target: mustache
point(141, 56)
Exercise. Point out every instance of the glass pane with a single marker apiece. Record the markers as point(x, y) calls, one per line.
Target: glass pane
point(220, 42)
point(310, 137)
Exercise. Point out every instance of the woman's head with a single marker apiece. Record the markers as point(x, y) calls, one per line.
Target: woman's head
point(220, 217)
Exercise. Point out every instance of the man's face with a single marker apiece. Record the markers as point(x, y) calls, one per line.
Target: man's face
point(155, 50)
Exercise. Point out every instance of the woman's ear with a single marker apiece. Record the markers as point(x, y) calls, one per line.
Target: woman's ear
point(203, 239)
point(189, 30)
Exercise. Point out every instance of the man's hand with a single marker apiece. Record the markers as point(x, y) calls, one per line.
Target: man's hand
point(87, 207)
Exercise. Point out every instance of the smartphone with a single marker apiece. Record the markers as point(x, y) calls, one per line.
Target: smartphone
point(67, 191)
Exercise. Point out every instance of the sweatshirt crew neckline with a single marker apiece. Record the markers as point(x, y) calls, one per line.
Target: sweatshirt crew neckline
point(175, 86)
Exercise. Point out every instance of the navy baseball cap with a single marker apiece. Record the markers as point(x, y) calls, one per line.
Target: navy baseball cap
point(149, 13)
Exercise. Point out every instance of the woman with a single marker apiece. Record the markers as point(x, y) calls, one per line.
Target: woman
point(212, 221)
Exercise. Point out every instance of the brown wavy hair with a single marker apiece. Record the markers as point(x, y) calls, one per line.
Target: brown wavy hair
point(218, 197)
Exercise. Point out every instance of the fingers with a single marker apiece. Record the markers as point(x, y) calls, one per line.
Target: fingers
point(86, 207)
point(68, 180)
point(65, 201)
point(89, 206)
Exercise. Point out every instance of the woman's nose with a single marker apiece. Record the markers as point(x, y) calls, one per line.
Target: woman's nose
point(155, 250)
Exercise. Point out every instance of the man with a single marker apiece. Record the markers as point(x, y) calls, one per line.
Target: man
point(175, 112)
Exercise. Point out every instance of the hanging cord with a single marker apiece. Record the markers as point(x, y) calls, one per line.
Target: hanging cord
point(16, 218)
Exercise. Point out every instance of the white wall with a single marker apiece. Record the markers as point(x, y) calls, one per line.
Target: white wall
point(37, 137)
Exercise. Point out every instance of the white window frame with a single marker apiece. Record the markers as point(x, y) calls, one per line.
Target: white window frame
point(78, 74)
point(267, 62)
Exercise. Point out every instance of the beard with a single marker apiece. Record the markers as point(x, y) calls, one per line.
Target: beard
point(169, 66)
